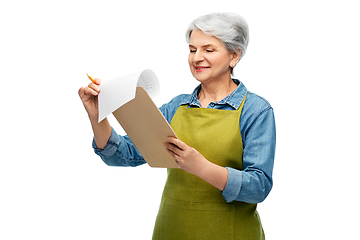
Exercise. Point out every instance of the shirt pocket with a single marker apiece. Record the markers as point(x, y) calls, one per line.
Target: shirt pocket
point(193, 220)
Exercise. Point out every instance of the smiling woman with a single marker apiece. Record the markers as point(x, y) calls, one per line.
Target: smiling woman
point(225, 147)
point(211, 64)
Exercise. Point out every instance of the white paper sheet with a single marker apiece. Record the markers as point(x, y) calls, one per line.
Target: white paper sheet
point(118, 91)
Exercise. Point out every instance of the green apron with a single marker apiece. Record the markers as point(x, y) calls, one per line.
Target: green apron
point(191, 208)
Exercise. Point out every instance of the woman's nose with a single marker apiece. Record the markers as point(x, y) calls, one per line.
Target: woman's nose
point(198, 57)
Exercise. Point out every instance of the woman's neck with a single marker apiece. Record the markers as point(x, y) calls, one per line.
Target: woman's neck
point(215, 91)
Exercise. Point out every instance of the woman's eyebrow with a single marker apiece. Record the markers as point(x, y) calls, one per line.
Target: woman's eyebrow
point(204, 46)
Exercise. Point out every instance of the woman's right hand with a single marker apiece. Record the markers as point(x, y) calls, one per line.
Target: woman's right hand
point(89, 97)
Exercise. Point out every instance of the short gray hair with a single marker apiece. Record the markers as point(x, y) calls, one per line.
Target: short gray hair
point(230, 28)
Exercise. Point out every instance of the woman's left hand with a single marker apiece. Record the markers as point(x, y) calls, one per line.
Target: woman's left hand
point(187, 158)
point(191, 161)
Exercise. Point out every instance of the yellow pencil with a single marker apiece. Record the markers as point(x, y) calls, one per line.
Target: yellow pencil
point(91, 78)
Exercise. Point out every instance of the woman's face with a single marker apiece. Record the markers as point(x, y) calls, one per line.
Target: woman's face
point(209, 60)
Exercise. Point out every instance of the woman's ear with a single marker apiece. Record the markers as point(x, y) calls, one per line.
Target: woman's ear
point(235, 58)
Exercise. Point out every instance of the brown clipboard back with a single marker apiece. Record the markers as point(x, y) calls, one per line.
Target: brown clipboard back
point(147, 128)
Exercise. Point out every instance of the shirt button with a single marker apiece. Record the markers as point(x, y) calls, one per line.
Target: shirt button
point(212, 104)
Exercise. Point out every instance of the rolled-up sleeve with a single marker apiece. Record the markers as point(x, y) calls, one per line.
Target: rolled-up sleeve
point(253, 184)
point(233, 184)
point(119, 151)
point(111, 147)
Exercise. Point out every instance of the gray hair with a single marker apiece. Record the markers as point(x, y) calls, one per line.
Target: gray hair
point(230, 28)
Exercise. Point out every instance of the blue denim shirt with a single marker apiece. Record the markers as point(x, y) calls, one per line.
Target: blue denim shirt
point(257, 126)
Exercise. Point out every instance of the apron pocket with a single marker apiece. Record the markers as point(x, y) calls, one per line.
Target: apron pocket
point(189, 220)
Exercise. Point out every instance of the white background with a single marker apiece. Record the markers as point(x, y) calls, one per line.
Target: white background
point(303, 57)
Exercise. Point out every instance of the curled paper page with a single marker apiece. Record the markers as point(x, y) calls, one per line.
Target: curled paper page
point(118, 91)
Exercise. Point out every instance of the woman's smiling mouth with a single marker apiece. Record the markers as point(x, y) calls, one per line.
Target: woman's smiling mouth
point(201, 68)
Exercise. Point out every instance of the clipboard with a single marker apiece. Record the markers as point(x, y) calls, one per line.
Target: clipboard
point(147, 128)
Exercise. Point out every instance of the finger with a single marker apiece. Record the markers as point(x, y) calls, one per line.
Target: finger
point(81, 91)
point(90, 91)
point(171, 152)
point(177, 142)
point(177, 160)
point(95, 87)
point(175, 156)
point(173, 149)
point(97, 81)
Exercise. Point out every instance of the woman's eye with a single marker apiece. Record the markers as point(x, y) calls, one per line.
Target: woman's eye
point(192, 50)
point(209, 50)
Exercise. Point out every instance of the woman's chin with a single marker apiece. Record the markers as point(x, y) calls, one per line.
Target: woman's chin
point(201, 77)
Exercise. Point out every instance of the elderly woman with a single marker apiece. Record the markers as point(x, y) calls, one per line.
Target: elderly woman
point(225, 146)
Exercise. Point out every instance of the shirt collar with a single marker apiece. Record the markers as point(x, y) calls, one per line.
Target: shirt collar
point(234, 99)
